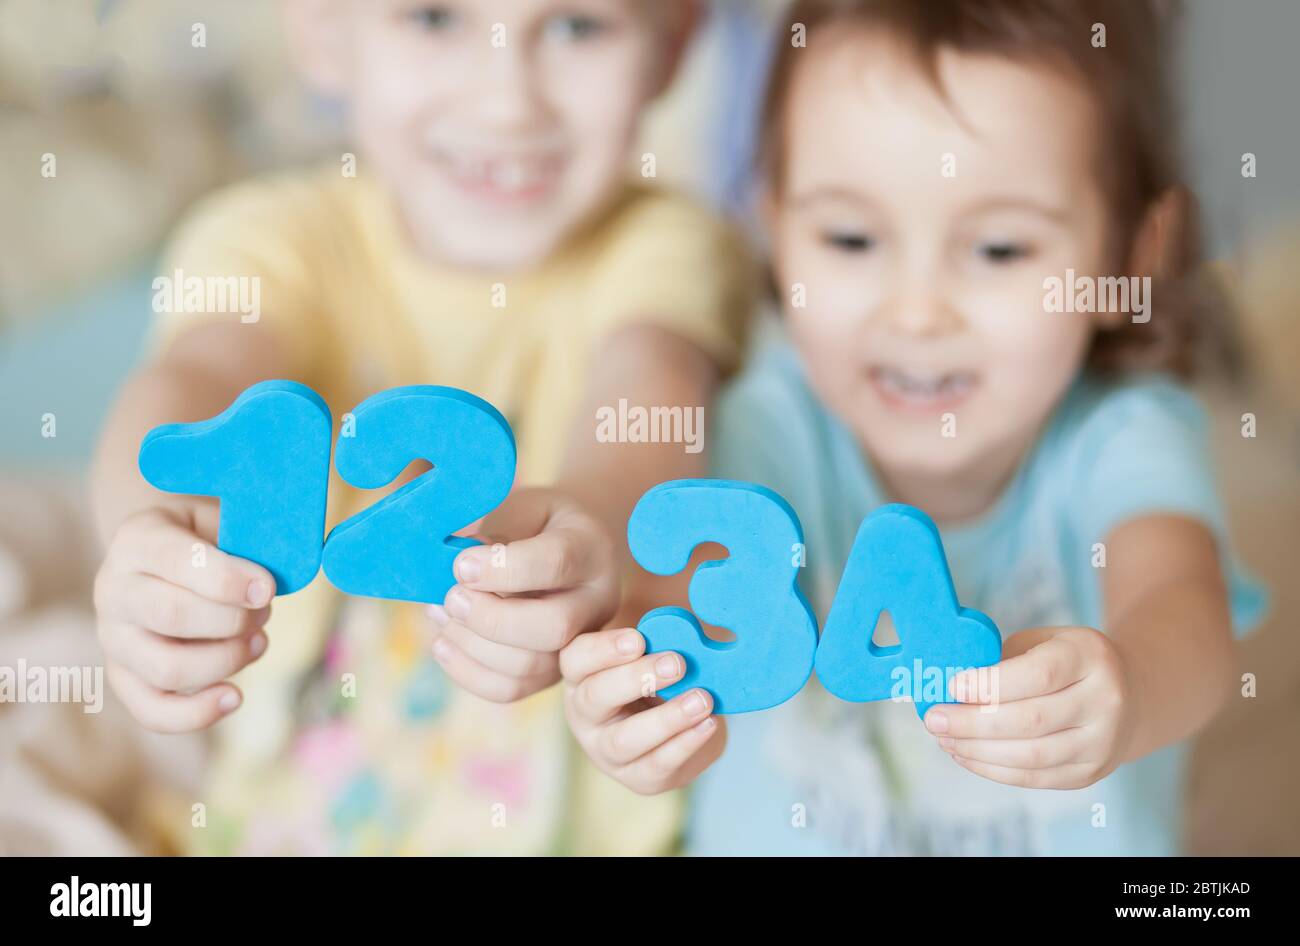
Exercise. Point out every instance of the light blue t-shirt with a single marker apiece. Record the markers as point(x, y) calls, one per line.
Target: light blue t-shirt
point(817, 775)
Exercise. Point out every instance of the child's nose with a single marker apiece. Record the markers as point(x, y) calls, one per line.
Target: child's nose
point(509, 91)
point(921, 309)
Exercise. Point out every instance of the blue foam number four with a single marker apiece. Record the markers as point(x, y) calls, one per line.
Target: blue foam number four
point(751, 593)
point(402, 547)
point(266, 458)
point(897, 565)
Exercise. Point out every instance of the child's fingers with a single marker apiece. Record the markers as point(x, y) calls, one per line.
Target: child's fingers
point(1024, 719)
point(173, 665)
point(625, 741)
point(502, 658)
point(544, 624)
point(159, 606)
point(1022, 641)
point(1061, 776)
point(172, 712)
point(471, 675)
point(1046, 668)
point(156, 545)
point(678, 761)
point(1045, 753)
point(600, 696)
point(551, 561)
point(206, 512)
point(590, 653)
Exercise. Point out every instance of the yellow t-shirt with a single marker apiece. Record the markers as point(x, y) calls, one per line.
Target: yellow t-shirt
point(350, 740)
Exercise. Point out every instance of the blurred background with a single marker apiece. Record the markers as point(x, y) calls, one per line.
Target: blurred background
point(142, 121)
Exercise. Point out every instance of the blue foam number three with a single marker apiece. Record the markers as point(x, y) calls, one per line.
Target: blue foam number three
point(751, 593)
point(897, 565)
point(402, 547)
point(267, 459)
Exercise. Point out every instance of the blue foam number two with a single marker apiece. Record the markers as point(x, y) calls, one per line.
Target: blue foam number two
point(751, 593)
point(897, 564)
point(402, 547)
point(266, 458)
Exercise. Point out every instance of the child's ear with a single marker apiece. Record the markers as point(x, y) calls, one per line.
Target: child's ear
point(683, 18)
point(1158, 243)
point(315, 31)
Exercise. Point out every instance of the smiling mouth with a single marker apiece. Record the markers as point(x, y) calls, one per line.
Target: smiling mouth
point(502, 179)
point(921, 393)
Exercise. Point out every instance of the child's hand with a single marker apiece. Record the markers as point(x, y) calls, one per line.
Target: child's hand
point(632, 735)
point(176, 617)
point(1058, 713)
point(551, 576)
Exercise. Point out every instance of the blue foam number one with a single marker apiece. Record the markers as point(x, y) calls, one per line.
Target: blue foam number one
point(751, 593)
point(897, 565)
point(402, 546)
point(267, 459)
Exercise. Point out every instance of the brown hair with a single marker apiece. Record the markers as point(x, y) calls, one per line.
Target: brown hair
point(1128, 79)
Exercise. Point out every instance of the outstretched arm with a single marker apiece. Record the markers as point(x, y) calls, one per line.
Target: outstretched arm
point(1067, 705)
point(173, 632)
point(564, 549)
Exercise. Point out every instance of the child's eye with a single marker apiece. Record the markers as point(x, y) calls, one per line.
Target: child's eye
point(848, 242)
point(433, 17)
point(574, 28)
point(1002, 252)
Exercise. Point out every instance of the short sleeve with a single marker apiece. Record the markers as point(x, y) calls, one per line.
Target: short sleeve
point(675, 265)
point(1143, 449)
point(245, 255)
point(754, 424)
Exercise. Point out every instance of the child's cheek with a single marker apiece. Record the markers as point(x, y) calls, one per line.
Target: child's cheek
point(822, 290)
point(826, 319)
point(1009, 314)
point(829, 343)
point(395, 104)
point(1032, 354)
point(395, 71)
point(601, 89)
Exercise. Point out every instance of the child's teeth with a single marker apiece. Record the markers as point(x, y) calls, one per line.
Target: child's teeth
point(505, 174)
point(509, 175)
point(947, 385)
point(516, 175)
